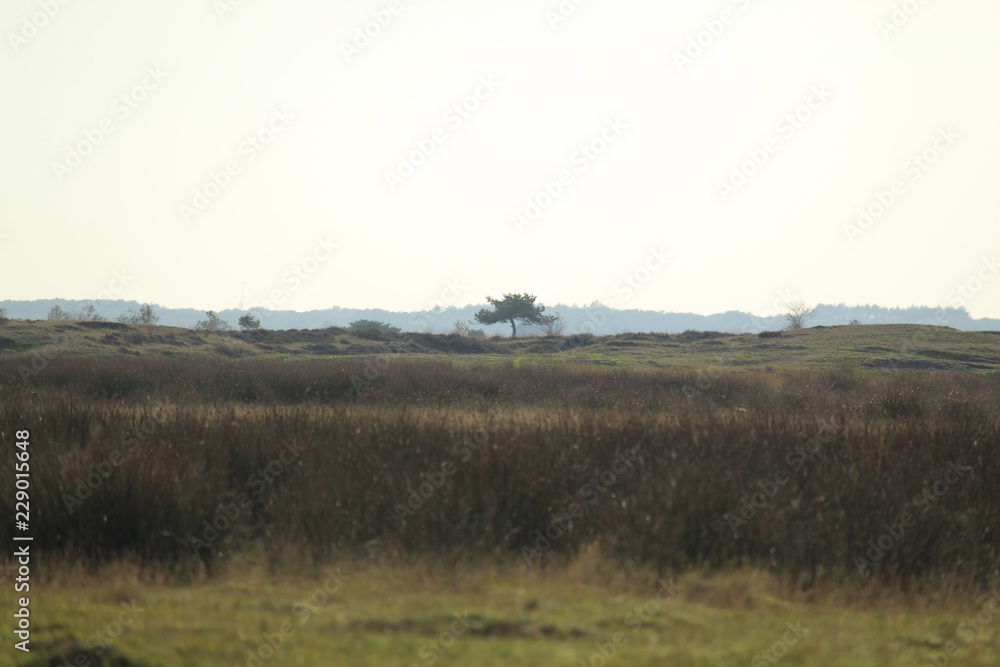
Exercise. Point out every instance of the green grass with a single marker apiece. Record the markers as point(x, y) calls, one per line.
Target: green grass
point(380, 615)
point(870, 346)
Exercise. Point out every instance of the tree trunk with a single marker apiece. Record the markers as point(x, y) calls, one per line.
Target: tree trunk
point(513, 328)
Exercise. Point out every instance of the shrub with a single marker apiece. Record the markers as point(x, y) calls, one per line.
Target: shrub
point(370, 325)
point(212, 323)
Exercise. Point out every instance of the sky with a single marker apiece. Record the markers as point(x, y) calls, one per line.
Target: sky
point(701, 157)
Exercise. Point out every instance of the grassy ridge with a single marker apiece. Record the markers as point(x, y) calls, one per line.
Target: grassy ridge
point(891, 346)
point(818, 477)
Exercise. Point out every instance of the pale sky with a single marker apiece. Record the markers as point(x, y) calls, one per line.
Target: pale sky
point(401, 169)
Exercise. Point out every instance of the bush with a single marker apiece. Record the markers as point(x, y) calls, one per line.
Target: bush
point(213, 323)
point(369, 325)
point(87, 314)
point(146, 315)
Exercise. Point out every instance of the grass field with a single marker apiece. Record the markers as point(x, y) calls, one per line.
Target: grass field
point(641, 499)
point(887, 346)
point(402, 616)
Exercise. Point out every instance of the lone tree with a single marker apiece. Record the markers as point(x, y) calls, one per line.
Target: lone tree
point(514, 308)
point(249, 322)
point(798, 314)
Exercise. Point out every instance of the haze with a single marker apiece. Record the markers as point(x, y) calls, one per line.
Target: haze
point(711, 156)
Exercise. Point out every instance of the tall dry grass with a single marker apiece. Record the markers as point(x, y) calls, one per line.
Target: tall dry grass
point(185, 465)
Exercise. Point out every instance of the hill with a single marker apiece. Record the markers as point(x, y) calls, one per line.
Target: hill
point(878, 347)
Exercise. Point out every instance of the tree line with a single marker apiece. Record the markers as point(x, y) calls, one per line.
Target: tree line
point(514, 309)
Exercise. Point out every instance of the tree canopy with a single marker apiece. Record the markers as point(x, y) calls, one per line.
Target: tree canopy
point(514, 308)
point(248, 322)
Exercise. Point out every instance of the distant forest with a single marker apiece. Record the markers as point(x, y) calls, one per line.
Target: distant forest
point(594, 318)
